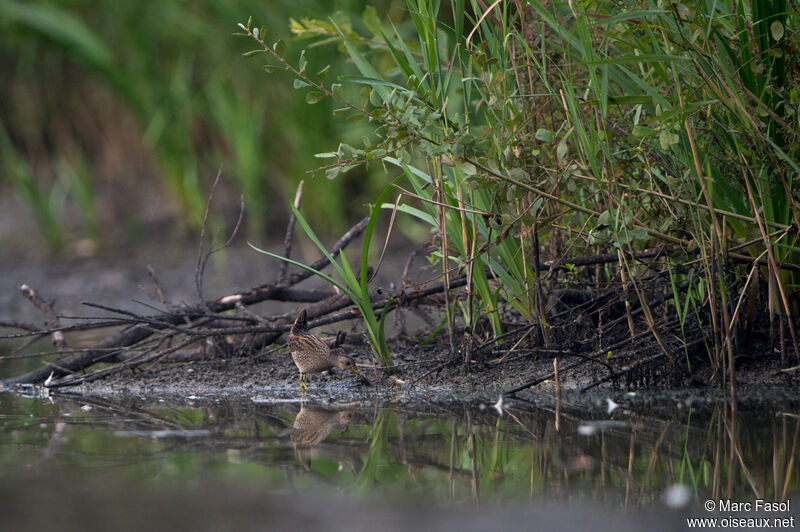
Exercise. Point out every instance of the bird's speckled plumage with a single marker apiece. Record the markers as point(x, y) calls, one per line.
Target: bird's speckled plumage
point(312, 355)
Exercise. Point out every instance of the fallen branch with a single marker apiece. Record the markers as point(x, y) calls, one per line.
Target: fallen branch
point(150, 324)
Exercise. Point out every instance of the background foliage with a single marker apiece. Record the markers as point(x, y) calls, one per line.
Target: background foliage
point(115, 113)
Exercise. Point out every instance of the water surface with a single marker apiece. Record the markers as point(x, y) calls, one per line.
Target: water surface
point(402, 456)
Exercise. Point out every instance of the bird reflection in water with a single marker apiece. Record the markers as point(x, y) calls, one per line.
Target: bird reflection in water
point(314, 423)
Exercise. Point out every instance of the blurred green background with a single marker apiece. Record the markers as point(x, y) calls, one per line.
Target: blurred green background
point(115, 117)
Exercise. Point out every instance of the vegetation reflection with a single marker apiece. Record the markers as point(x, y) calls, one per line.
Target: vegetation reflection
point(446, 454)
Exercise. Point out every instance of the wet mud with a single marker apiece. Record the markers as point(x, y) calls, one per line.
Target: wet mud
point(426, 376)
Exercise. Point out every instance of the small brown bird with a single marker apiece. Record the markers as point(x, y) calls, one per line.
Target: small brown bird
point(312, 355)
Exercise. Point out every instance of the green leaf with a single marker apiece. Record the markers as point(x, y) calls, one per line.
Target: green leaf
point(299, 84)
point(634, 58)
point(416, 213)
point(349, 275)
point(374, 82)
point(302, 63)
point(324, 72)
point(251, 53)
point(776, 29)
point(375, 98)
point(411, 170)
point(633, 99)
point(311, 235)
point(314, 96)
point(467, 168)
point(273, 68)
point(519, 174)
point(361, 62)
point(279, 47)
point(466, 140)
point(328, 278)
point(561, 152)
point(667, 139)
point(544, 135)
point(627, 15)
point(639, 233)
point(372, 21)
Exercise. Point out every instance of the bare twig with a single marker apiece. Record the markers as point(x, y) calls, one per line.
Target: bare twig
point(203, 256)
point(386, 240)
point(50, 318)
point(21, 325)
point(159, 295)
point(287, 239)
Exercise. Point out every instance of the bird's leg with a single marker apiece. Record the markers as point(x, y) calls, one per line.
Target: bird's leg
point(303, 385)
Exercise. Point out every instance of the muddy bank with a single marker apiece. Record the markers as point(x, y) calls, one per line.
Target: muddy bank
point(430, 376)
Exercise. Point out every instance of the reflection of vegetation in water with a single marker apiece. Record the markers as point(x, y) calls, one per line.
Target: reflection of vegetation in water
point(446, 456)
point(380, 465)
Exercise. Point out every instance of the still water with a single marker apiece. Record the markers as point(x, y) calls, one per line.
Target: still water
point(131, 455)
